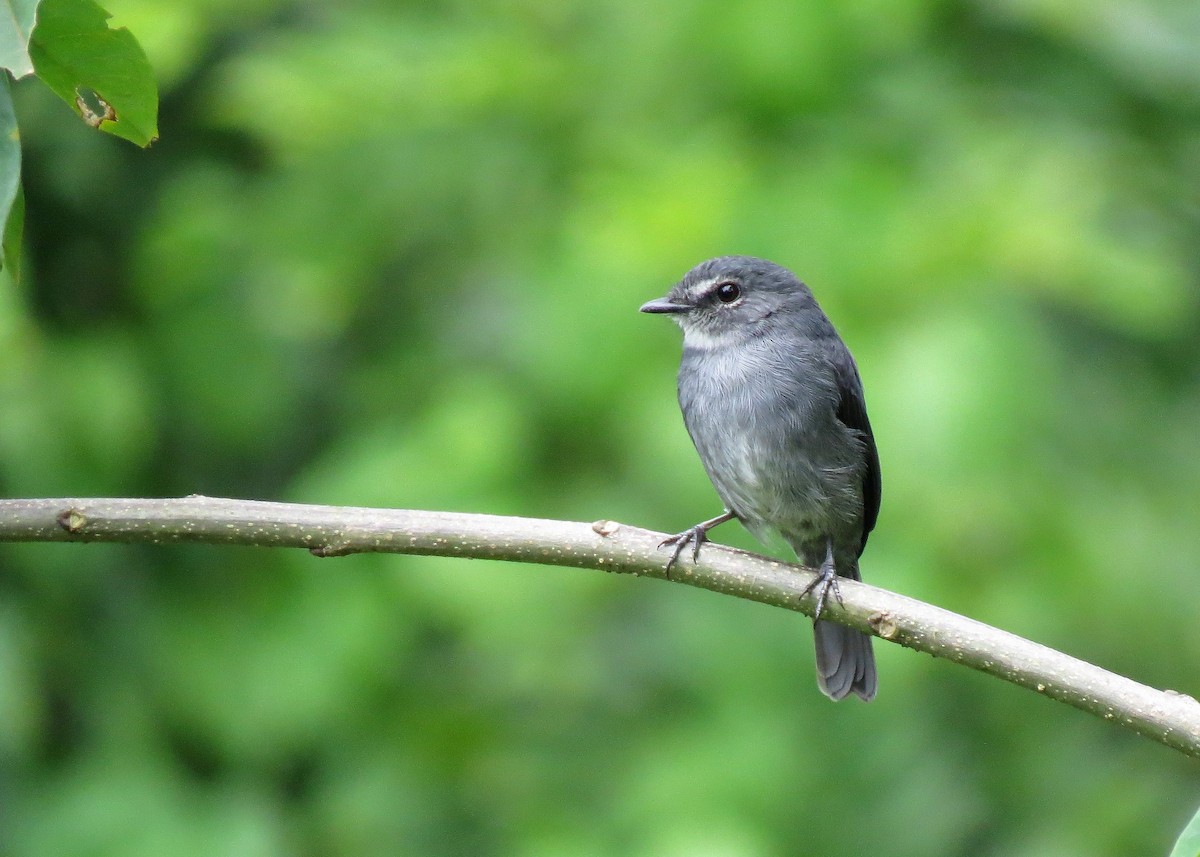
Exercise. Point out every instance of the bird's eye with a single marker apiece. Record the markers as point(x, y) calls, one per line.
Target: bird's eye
point(727, 293)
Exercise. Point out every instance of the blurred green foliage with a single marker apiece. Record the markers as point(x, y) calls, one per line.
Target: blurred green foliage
point(392, 254)
point(1188, 844)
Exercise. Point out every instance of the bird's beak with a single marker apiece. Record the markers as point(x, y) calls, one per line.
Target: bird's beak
point(665, 306)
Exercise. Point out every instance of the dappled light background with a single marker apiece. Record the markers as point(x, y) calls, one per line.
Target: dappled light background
point(392, 254)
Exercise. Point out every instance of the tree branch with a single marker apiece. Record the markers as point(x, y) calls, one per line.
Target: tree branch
point(1169, 717)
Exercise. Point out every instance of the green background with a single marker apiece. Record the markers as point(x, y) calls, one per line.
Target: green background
point(392, 254)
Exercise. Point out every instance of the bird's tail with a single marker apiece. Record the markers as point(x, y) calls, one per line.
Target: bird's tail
point(845, 661)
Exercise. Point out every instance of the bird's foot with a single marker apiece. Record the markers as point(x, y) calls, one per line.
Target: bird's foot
point(695, 536)
point(823, 584)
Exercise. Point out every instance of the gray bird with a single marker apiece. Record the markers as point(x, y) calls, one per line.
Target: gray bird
point(775, 407)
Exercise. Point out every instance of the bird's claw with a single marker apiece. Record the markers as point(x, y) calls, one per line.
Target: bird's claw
point(822, 585)
point(696, 536)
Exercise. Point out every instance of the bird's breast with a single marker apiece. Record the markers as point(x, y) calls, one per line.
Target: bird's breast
point(769, 440)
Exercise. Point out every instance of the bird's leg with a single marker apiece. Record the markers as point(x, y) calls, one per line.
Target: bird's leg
point(825, 582)
point(696, 535)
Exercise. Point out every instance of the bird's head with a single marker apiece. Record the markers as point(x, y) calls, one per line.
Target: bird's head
point(730, 299)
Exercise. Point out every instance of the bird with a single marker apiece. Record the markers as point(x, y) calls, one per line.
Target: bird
point(774, 404)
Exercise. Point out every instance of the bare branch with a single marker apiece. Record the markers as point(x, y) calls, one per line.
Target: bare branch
point(1166, 716)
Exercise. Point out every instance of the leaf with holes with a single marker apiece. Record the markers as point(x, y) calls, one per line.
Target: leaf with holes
point(102, 73)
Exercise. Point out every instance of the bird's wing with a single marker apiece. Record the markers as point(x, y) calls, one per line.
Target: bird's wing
point(852, 411)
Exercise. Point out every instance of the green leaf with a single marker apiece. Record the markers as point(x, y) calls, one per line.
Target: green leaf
point(1188, 844)
point(16, 23)
point(103, 74)
point(14, 229)
point(12, 212)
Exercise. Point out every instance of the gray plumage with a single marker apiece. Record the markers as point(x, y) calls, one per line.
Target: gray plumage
point(773, 402)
